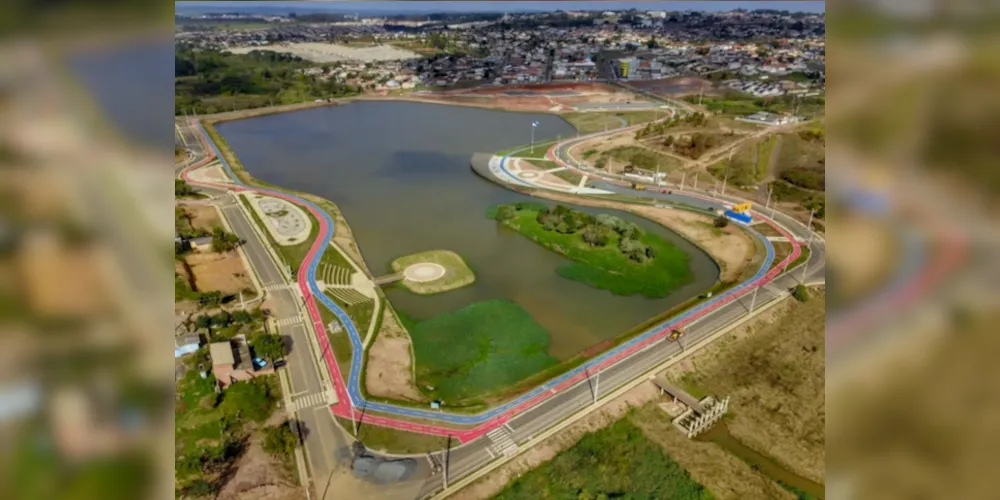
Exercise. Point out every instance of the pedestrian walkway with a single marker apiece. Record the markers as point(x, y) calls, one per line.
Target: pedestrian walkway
point(309, 401)
point(290, 321)
point(501, 442)
point(277, 287)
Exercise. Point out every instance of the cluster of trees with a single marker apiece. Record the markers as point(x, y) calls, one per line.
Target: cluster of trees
point(596, 231)
point(280, 439)
point(813, 134)
point(269, 346)
point(224, 241)
point(653, 129)
point(182, 189)
point(212, 81)
point(693, 145)
point(224, 324)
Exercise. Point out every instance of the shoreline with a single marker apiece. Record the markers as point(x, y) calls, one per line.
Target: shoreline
point(349, 245)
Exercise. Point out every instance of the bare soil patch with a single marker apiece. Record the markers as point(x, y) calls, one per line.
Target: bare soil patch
point(260, 477)
point(202, 216)
point(731, 248)
point(872, 252)
point(219, 271)
point(390, 362)
point(62, 281)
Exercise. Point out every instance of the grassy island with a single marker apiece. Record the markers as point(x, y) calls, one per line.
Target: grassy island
point(607, 252)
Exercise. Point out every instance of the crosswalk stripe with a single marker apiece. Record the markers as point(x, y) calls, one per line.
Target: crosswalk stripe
point(309, 401)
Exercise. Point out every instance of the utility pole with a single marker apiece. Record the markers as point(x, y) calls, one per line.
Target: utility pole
point(809, 227)
point(695, 181)
point(753, 299)
point(354, 421)
point(657, 173)
point(726, 177)
point(683, 177)
point(768, 203)
point(243, 305)
point(597, 384)
point(701, 93)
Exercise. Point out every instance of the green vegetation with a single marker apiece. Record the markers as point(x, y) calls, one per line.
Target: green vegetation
point(211, 430)
point(748, 165)
point(527, 151)
point(183, 226)
point(735, 103)
point(396, 441)
point(568, 175)
point(269, 346)
point(696, 144)
point(618, 461)
point(183, 189)
point(660, 128)
point(225, 325)
point(280, 439)
point(587, 123)
point(607, 252)
point(211, 81)
point(635, 156)
point(224, 241)
point(457, 272)
point(801, 293)
point(476, 350)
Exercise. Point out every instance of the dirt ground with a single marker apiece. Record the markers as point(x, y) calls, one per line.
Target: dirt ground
point(548, 449)
point(202, 216)
point(872, 253)
point(773, 370)
point(258, 476)
point(219, 271)
point(390, 364)
point(730, 247)
point(57, 280)
point(550, 179)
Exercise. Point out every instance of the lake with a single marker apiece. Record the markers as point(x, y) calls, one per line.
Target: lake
point(400, 173)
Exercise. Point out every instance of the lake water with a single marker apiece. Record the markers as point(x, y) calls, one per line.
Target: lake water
point(400, 173)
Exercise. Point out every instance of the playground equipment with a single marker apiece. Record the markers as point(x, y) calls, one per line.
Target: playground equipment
point(740, 213)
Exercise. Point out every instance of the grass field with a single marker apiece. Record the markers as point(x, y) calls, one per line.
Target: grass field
point(592, 122)
point(478, 349)
point(618, 461)
point(766, 230)
point(568, 176)
point(607, 268)
point(643, 158)
point(457, 272)
point(749, 163)
point(395, 441)
point(537, 151)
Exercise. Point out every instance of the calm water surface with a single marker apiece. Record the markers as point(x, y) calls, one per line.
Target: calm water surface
point(400, 173)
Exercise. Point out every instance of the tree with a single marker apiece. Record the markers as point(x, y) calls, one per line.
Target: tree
point(269, 346)
point(280, 439)
point(721, 221)
point(223, 241)
point(182, 188)
point(801, 293)
point(601, 163)
point(595, 235)
point(505, 212)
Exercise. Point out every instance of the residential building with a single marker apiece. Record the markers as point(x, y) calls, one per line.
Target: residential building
point(231, 362)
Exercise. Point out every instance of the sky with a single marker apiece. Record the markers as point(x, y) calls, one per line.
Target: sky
point(524, 6)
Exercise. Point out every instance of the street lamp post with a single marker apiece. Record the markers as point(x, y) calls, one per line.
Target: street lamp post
point(683, 177)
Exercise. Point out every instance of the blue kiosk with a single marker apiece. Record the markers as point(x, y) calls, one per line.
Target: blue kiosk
point(740, 213)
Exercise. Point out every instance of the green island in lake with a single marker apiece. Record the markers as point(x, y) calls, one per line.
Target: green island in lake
point(608, 252)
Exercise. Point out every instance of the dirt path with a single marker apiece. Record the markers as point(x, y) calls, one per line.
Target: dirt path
point(731, 248)
point(390, 364)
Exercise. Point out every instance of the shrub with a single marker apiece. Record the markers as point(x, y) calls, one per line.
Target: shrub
point(801, 293)
point(505, 212)
point(721, 221)
point(280, 439)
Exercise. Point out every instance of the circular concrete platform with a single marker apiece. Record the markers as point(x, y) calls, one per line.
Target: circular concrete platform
point(424, 272)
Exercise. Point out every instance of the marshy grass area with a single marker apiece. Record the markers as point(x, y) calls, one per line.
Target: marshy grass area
point(606, 264)
point(591, 122)
point(477, 350)
point(618, 461)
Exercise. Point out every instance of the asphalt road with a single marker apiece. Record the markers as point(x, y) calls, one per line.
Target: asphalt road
point(327, 446)
point(474, 454)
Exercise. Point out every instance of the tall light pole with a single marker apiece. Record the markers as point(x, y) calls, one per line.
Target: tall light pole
point(683, 177)
point(726, 177)
point(753, 299)
point(768, 203)
point(597, 384)
point(809, 227)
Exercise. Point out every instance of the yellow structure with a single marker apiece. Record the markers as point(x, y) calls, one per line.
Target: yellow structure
point(742, 207)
